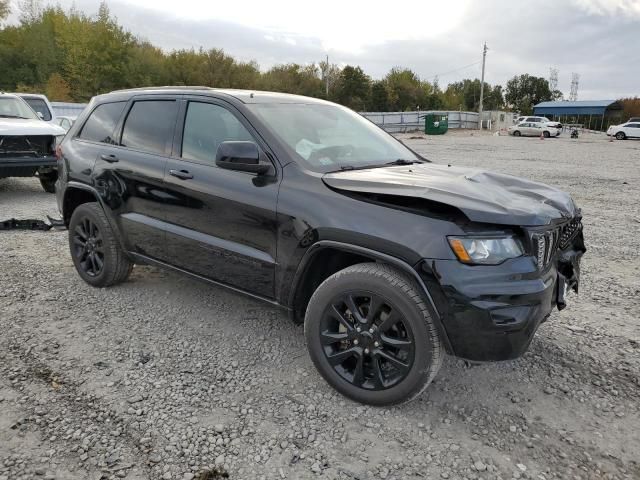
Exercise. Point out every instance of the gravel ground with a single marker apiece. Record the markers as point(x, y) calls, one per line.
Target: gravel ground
point(164, 377)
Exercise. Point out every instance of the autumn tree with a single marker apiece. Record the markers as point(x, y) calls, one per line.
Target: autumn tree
point(57, 89)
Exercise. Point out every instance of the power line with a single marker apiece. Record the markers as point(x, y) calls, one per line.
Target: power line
point(453, 71)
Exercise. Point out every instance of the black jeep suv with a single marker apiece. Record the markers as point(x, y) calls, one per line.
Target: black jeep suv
point(389, 260)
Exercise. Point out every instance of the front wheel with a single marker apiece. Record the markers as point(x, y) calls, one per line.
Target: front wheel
point(516, 133)
point(620, 136)
point(370, 335)
point(546, 134)
point(48, 182)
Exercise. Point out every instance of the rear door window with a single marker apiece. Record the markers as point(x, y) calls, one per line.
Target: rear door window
point(149, 126)
point(40, 106)
point(102, 122)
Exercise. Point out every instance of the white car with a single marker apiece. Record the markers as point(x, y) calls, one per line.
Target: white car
point(534, 129)
point(625, 130)
point(543, 120)
point(41, 105)
point(27, 143)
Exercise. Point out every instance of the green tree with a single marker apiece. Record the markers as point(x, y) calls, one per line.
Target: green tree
point(379, 100)
point(353, 88)
point(404, 89)
point(524, 91)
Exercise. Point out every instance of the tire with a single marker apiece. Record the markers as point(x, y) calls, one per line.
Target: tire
point(103, 262)
point(388, 375)
point(48, 183)
point(621, 136)
point(546, 134)
point(516, 133)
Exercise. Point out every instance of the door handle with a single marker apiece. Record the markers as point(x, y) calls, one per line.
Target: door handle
point(181, 174)
point(109, 158)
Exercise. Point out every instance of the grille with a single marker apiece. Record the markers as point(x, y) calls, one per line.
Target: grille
point(569, 232)
point(546, 244)
point(26, 145)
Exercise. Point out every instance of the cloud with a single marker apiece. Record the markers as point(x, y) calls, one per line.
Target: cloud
point(594, 38)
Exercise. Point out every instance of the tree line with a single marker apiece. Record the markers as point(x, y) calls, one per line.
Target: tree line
point(71, 56)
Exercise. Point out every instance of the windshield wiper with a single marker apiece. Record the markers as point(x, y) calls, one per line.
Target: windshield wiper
point(402, 161)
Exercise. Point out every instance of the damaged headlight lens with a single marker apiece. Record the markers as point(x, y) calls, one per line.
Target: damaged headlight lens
point(485, 250)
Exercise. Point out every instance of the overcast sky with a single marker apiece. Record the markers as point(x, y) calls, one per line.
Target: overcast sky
point(598, 39)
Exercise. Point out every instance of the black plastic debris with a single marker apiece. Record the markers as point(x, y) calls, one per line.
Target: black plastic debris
point(32, 224)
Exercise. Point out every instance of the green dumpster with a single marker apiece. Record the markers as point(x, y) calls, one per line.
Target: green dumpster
point(436, 124)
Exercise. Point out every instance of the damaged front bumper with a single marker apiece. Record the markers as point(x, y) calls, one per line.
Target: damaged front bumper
point(491, 312)
point(25, 166)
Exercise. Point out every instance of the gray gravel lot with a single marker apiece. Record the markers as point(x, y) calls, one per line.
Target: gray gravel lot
point(164, 377)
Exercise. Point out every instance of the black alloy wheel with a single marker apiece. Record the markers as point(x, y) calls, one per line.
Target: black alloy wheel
point(516, 133)
point(88, 247)
point(95, 250)
point(371, 335)
point(366, 340)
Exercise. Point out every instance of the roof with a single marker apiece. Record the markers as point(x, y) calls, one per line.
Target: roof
point(577, 103)
point(579, 107)
point(245, 96)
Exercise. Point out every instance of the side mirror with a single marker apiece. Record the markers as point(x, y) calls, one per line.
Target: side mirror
point(241, 156)
point(40, 115)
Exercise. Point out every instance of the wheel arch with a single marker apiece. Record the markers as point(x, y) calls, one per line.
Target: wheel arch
point(74, 196)
point(326, 257)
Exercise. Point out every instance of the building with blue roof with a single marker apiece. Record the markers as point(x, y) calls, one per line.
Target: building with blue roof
point(593, 114)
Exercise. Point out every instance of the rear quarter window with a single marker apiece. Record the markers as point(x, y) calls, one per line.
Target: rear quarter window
point(102, 122)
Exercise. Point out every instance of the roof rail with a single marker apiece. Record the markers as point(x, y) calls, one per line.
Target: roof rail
point(164, 87)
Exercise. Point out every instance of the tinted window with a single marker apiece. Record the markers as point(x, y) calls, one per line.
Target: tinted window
point(101, 123)
point(149, 126)
point(634, 125)
point(205, 127)
point(40, 106)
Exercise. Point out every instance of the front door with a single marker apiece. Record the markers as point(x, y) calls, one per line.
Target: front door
point(221, 223)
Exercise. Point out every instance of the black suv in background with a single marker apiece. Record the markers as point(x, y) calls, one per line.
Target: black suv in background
point(389, 260)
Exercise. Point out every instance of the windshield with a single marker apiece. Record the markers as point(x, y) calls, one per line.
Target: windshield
point(13, 107)
point(329, 137)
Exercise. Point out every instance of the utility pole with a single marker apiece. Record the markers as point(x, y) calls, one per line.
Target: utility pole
point(484, 57)
point(326, 78)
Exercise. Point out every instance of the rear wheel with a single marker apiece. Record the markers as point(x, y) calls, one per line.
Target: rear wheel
point(620, 136)
point(370, 335)
point(95, 250)
point(516, 133)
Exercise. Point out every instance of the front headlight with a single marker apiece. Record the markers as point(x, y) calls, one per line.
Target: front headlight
point(485, 250)
point(57, 140)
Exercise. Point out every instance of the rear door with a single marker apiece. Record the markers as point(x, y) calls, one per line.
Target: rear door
point(131, 171)
point(221, 223)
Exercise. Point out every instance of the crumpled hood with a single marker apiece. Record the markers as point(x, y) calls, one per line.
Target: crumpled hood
point(481, 195)
point(23, 126)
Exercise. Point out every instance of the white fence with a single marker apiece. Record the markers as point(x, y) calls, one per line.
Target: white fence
point(67, 109)
point(395, 122)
